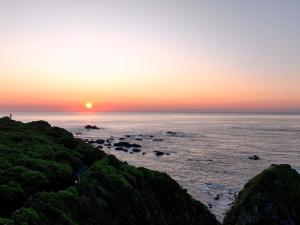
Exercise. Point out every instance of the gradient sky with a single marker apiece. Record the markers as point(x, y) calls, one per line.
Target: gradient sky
point(212, 55)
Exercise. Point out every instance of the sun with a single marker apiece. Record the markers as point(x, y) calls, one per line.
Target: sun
point(88, 105)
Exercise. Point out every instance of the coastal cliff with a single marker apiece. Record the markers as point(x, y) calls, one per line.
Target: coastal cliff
point(48, 177)
point(270, 198)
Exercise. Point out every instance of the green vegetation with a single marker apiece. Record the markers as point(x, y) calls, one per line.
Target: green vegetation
point(272, 197)
point(39, 185)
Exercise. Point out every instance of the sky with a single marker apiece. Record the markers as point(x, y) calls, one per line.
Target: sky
point(189, 56)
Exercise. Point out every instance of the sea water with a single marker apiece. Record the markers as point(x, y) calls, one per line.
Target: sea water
point(208, 154)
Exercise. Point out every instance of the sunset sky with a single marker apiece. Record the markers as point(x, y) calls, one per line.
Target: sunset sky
point(213, 55)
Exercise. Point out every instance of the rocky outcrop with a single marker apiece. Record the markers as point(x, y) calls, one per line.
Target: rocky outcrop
point(270, 198)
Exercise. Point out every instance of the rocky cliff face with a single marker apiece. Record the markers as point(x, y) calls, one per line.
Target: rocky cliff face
point(270, 198)
point(48, 177)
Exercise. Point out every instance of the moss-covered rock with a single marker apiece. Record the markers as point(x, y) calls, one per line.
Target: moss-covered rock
point(270, 198)
point(40, 167)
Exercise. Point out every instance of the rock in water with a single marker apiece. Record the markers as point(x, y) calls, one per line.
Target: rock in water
point(270, 198)
point(92, 127)
point(254, 157)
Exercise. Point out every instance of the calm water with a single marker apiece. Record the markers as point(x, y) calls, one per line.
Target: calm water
point(209, 152)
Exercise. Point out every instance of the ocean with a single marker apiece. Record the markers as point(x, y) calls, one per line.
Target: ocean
point(206, 153)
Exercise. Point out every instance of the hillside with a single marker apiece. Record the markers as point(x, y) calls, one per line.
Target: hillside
point(48, 177)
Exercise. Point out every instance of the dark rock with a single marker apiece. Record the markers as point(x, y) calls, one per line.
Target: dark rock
point(121, 139)
point(144, 153)
point(159, 153)
point(270, 198)
point(126, 144)
point(138, 139)
point(167, 153)
point(254, 157)
point(91, 127)
point(128, 136)
point(119, 148)
point(157, 139)
point(99, 141)
point(100, 147)
point(209, 205)
point(135, 145)
point(136, 150)
point(171, 132)
point(217, 197)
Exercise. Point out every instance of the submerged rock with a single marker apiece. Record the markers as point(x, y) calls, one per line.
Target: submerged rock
point(254, 157)
point(270, 198)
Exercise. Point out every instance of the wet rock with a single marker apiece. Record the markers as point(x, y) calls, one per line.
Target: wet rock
point(157, 139)
point(217, 197)
point(254, 157)
point(99, 141)
point(136, 150)
point(135, 145)
point(159, 153)
point(126, 144)
point(92, 127)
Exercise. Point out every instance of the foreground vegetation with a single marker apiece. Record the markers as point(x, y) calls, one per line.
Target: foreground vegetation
point(48, 177)
point(270, 198)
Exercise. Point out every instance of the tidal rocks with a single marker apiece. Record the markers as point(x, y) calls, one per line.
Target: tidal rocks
point(92, 127)
point(254, 157)
point(159, 153)
point(97, 141)
point(136, 150)
point(270, 198)
point(171, 133)
point(157, 139)
point(126, 144)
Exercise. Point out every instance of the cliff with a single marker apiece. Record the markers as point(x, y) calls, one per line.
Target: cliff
point(270, 198)
point(48, 177)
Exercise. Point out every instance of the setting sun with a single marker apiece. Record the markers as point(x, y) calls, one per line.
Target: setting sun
point(88, 105)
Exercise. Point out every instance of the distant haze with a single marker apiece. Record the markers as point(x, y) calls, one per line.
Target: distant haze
point(56, 55)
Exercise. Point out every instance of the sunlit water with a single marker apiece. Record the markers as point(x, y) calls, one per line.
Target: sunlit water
point(209, 152)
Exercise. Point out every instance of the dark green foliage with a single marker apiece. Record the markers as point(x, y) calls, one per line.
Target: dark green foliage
point(272, 197)
point(39, 165)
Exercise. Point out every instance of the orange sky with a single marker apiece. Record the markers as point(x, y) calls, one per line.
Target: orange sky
point(57, 59)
